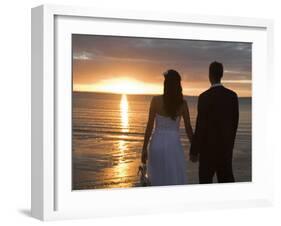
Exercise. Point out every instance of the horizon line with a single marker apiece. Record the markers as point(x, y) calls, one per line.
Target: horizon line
point(138, 94)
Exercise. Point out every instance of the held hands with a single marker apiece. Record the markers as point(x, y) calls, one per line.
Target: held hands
point(144, 156)
point(193, 158)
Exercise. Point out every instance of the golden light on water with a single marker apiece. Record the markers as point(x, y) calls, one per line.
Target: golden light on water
point(124, 113)
point(121, 169)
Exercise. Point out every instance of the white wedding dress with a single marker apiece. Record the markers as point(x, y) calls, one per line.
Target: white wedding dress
point(166, 163)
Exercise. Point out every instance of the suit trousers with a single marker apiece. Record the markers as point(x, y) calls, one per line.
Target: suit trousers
point(208, 167)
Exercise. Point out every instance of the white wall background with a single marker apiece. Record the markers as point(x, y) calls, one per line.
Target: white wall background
point(15, 112)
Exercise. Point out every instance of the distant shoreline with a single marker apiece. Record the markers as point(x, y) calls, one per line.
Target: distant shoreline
point(148, 95)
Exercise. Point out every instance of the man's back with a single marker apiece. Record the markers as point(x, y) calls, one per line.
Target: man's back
point(217, 123)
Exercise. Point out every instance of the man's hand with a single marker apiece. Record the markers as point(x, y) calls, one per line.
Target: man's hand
point(144, 156)
point(193, 158)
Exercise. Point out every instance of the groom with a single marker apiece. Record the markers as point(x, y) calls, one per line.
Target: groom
point(215, 132)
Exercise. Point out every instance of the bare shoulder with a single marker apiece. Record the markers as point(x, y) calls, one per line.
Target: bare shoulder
point(156, 99)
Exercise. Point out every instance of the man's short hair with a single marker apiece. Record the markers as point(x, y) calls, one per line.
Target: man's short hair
point(216, 70)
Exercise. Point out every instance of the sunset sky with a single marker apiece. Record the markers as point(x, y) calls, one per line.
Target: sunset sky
point(135, 65)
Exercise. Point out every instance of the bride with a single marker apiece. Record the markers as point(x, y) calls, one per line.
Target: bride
point(165, 156)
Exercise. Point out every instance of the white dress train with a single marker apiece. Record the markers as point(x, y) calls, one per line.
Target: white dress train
point(166, 163)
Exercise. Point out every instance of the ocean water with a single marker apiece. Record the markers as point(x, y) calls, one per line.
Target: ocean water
point(107, 139)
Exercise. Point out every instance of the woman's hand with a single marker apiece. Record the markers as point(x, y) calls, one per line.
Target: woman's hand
point(144, 156)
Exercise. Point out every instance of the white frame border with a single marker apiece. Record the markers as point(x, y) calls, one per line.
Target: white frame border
point(43, 88)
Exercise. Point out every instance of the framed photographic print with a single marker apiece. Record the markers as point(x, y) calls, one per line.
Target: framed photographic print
point(137, 112)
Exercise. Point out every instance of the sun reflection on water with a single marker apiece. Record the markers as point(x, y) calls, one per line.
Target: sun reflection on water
point(124, 113)
point(122, 168)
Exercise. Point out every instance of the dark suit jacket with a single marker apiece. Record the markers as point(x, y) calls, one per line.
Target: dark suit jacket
point(216, 124)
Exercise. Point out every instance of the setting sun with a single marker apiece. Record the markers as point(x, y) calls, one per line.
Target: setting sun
point(122, 85)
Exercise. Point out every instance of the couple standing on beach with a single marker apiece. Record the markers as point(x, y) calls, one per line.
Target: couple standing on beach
point(212, 142)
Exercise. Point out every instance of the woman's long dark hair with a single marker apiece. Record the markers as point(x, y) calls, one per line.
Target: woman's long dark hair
point(172, 96)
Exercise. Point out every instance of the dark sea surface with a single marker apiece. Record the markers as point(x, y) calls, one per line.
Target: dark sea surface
point(107, 139)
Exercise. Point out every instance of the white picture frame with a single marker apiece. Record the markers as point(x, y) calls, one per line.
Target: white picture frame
point(51, 82)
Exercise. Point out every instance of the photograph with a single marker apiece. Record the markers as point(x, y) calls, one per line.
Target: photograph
point(149, 111)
